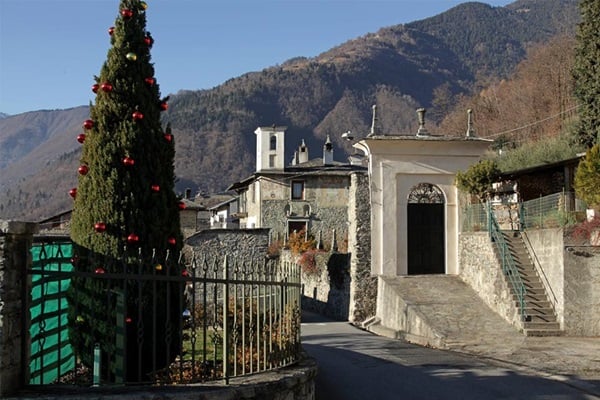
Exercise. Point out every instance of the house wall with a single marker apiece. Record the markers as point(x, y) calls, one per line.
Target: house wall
point(325, 196)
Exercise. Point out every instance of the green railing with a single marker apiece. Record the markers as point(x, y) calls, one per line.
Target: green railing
point(552, 211)
point(508, 263)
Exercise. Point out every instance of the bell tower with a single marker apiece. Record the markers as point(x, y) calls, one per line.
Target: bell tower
point(270, 147)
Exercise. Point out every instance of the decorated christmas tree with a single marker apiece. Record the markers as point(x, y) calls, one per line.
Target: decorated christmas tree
point(125, 220)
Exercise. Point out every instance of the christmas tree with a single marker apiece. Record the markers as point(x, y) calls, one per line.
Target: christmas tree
point(586, 73)
point(126, 212)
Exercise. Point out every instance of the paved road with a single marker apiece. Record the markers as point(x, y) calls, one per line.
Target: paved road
point(354, 364)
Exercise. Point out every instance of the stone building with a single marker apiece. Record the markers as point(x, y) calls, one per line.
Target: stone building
point(309, 195)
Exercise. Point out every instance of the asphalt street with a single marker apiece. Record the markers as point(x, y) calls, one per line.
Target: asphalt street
point(354, 364)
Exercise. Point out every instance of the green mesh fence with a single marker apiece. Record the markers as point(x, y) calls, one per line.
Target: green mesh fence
point(51, 354)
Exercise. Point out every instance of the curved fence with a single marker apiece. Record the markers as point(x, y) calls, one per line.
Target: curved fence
point(158, 321)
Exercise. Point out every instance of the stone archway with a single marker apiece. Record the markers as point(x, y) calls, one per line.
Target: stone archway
point(426, 238)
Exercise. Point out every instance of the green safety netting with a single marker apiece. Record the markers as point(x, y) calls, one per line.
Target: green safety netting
point(51, 354)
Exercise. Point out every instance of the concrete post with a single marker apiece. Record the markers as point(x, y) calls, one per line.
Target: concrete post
point(15, 243)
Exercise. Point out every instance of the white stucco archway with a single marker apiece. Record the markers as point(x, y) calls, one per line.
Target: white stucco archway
point(396, 165)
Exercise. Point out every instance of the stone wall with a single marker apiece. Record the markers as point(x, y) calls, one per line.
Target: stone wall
point(363, 286)
point(243, 244)
point(327, 289)
point(15, 242)
point(573, 273)
point(480, 269)
point(582, 291)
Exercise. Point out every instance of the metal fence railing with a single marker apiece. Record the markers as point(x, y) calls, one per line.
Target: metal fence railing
point(552, 211)
point(99, 321)
point(509, 267)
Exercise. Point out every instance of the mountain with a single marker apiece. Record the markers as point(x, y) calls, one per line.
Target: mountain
point(399, 68)
point(3, 115)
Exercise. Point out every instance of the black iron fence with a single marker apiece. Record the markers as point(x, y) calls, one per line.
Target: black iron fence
point(157, 321)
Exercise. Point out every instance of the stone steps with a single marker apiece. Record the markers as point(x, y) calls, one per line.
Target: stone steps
point(540, 319)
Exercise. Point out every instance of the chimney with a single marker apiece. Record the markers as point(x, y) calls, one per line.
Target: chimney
point(188, 193)
point(295, 159)
point(470, 130)
point(302, 153)
point(328, 152)
point(421, 114)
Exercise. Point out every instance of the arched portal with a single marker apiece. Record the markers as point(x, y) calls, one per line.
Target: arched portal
point(426, 234)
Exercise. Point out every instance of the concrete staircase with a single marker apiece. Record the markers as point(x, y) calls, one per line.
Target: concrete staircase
point(540, 317)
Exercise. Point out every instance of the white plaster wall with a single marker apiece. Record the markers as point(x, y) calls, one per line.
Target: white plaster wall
point(396, 166)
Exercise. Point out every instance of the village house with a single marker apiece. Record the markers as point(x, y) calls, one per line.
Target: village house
point(308, 195)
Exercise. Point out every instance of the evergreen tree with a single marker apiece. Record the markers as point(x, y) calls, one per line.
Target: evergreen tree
point(125, 209)
point(587, 177)
point(586, 71)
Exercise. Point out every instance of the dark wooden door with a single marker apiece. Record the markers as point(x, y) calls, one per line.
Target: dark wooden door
point(426, 239)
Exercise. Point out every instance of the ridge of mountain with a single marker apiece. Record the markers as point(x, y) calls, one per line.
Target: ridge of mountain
point(398, 68)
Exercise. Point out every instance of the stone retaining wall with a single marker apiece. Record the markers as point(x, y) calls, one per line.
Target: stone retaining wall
point(480, 268)
point(15, 241)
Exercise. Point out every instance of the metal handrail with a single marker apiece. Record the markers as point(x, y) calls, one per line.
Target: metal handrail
point(508, 263)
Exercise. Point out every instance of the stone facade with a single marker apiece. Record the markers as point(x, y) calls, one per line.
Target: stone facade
point(363, 286)
point(15, 242)
point(481, 270)
point(324, 206)
point(214, 244)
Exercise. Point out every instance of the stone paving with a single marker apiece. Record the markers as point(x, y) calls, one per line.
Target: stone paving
point(454, 311)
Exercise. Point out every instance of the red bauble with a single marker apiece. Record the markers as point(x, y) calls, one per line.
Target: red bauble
point(128, 161)
point(126, 13)
point(106, 87)
point(111, 30)
point(155, 188)
point(88, 124)
point(83, 169)
point(149, 81)
point(73, 192)
point(133, 238)
point(164, 106)
point(81, 137)
point(99, 270)
point(185, 273)
point(181, 205)
point(128, 320)
point(137, 116)
point(74, 260)
point(100, 227)
point(172, 241)
point(168, 137)
point(95, 87)
point(149, 41)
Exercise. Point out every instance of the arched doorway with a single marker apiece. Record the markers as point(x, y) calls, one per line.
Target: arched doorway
point(426, 234)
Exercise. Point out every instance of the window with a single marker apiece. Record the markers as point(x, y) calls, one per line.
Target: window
point(297, 227)
point(272, 158)
point(297, 190)
point(273, 143)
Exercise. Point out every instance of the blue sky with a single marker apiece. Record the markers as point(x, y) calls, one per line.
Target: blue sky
point(51, 49)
